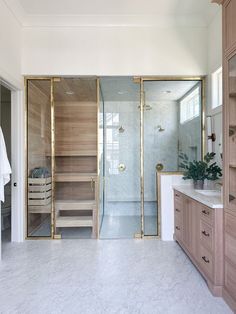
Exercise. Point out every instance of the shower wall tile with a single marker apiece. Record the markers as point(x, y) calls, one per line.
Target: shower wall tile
point(190, 138)
point(159, 147)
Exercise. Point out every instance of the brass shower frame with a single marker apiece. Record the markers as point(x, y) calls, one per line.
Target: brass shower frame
point(142, 80)
point(51, 80)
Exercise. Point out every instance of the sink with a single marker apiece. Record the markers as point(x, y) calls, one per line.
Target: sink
point(209, 192)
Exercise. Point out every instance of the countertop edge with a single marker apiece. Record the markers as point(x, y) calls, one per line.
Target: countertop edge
point(190, 192)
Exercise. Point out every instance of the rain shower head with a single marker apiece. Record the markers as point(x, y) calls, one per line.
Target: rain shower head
point(160, 128)
point(146, 107)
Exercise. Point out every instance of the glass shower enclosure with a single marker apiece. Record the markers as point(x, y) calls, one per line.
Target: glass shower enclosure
point(119, 141)
point(144, 126)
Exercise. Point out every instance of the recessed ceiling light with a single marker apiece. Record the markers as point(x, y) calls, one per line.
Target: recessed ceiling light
point(121, 92)
point(69, 92)
point(166, 91)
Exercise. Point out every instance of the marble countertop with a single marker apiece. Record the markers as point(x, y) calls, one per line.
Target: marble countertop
point(213, 201)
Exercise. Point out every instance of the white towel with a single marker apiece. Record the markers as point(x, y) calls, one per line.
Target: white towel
point(5, 168)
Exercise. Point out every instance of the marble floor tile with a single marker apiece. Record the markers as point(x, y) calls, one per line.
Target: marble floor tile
point(125, 227)
point(102, 277)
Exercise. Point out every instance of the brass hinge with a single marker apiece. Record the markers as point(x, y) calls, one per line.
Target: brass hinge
point(137, 79)
point(56, 79)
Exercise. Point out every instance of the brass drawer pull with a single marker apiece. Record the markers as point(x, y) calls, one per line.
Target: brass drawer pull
point(206, 212)
point(177, 210)
point(205, 259)
point(205, 233)
point(177, 228)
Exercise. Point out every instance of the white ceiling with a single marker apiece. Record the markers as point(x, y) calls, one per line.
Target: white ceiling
point(124, 89)
point(29, 11)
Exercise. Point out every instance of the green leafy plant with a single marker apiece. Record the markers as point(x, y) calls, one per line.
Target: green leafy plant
point(200, 170)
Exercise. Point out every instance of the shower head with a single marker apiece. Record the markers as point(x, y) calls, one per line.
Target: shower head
point(160, 128)
point(146, 107)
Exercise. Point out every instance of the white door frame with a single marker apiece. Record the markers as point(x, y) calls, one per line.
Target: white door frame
point(17, 159)
point(18, 166)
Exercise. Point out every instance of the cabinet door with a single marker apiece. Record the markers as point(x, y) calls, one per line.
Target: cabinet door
point(187, 223)
point(230, 137)
point(178, 214)
point(229, 10)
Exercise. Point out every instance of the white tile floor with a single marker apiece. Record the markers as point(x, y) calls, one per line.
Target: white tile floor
point(125, 227)
point(102, 276)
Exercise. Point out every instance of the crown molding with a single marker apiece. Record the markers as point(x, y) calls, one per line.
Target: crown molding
point(114, 21)
point(155, 20)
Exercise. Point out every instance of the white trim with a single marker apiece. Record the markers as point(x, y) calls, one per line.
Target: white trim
point(18, 167)
point(215, 111)
point(216, 90)
point(18, 157)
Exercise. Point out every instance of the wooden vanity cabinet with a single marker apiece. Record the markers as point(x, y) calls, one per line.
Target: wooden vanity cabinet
point(199, 231)
point(229, 160)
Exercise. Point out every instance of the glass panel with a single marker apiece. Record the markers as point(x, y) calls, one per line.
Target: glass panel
point(122, 158)
point(165, 138)
point(101, 160)
point(231, 109)
point(75, 102)
point(39, 158)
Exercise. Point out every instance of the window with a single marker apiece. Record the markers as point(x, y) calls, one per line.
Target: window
point(217, 89)
point(190, 106)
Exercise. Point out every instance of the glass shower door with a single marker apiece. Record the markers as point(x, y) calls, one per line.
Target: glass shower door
point(121, 153)
point(39, 202)
point(101, 159)
point(172, 126)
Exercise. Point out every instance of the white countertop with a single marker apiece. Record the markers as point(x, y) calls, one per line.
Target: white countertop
point(213, 201)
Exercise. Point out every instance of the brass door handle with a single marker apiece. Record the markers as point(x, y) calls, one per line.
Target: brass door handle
point(159, 167)
point(122, 167)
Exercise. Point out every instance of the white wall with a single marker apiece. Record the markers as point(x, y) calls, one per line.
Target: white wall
point(10, 73)
point(10, 47)
point(214, 63)
point(115, 51)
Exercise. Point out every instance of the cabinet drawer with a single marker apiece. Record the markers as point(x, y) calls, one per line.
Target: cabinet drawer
point(206, 261)
point(178, 211)
point(207, 214)
point(230, 247)
point(230, 278)
point(178, 228)
point(206, 235)
point(230, 224)
point(178, 197)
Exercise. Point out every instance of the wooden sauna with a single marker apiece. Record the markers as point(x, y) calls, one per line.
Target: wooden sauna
point(68, 153)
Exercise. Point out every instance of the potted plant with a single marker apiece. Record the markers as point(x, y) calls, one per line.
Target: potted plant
point(200, 170)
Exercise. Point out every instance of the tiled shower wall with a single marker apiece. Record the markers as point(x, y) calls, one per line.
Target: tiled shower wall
point(190, 138)
point(159, 147)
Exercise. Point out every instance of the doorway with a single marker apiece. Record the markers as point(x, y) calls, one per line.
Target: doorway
point(5, 123)
point(145, 124)
point(120, 215)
